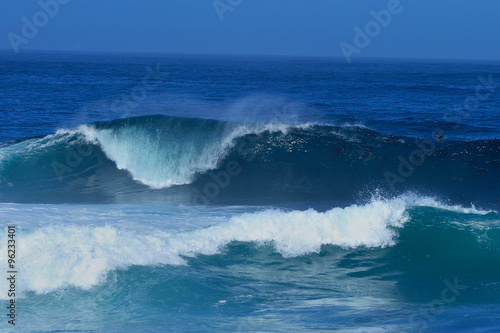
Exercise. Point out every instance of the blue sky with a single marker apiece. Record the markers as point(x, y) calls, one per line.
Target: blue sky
point(440, 29)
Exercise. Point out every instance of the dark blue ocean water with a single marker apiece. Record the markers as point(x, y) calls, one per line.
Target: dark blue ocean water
point(209, 193)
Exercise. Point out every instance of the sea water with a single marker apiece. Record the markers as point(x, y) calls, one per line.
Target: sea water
point(210, 193)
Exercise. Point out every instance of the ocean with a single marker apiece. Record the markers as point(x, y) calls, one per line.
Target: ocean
point(182, 193)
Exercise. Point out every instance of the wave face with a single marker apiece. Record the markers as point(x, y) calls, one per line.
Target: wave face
point(162, 151)
point(158, 158)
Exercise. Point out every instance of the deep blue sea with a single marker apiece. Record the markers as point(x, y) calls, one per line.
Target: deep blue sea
point(181, 193)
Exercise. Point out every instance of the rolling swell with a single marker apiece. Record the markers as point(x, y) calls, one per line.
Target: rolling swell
point(162, 158)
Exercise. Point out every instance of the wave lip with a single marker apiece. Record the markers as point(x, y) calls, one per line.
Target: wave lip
point(415, 200)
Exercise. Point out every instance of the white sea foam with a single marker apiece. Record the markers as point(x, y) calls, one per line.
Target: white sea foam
point(60, 254)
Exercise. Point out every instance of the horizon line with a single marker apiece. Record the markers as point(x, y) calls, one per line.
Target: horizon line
point(165, 53)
